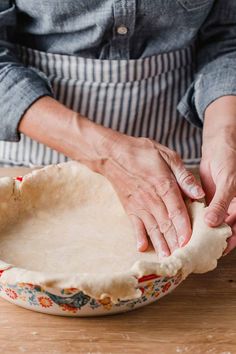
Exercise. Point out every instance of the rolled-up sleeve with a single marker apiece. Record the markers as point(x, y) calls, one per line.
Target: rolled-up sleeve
point(215, 74)
point(20, 86)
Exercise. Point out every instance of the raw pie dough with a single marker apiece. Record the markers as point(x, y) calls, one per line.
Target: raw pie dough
point(64, 226)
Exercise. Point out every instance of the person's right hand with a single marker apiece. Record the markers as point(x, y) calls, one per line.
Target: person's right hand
point(149, 179)
point(147, 176)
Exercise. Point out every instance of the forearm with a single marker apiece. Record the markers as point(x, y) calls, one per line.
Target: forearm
point(51, 123)
point(220, 118)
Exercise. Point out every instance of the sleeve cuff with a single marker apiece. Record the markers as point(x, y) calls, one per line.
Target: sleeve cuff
point(20, 87)
point(205, 90)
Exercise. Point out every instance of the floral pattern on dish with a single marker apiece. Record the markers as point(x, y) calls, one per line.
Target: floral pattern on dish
point(71, 300)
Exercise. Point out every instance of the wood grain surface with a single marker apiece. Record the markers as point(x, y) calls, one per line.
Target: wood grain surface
point(198, 317)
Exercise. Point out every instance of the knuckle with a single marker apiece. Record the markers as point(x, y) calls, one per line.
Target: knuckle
point(186, 177)
point(129, 196)
point(171, 157)
point(145, 194)
point(164, 185)
point(176, 212)
point(141, 212)
point(220, 206)
point(127, 201)
point(145, 189)
point(165, 226)
point(152, 228)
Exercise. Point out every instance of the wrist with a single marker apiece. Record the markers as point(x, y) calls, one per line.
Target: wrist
point(96, 141)
point(220, 119)
point(95, 136)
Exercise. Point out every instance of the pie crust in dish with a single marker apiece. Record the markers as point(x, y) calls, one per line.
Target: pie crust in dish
point(63, 227)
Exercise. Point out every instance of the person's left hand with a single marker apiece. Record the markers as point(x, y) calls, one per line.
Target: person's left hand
point(218, 176)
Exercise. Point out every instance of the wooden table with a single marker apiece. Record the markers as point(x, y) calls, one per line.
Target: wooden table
point(199, 317)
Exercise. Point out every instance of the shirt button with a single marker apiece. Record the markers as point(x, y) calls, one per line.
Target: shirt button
point(122, 30)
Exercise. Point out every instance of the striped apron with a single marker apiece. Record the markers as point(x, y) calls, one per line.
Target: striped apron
point(136, 97)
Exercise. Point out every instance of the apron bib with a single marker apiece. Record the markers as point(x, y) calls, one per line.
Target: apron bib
point(136, 97)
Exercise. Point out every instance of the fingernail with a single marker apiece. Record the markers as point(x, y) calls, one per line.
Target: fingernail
point(197, 191)
point(212, 217)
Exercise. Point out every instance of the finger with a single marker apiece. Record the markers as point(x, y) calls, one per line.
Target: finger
point(141, 235)
point(168, 190)
point(159, 243)
point(231, 241)
point(232, 207)
point(188, 183)
point(185, 179)
point(231, 219)
point(217, 210)
point(231, 244)
point(157, 208)
point(152, 229)
point(167, 229)
point(207, 182)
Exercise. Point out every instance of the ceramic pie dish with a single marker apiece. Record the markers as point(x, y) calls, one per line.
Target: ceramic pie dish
point(67, 246)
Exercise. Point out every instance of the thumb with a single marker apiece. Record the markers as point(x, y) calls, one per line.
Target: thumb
point(207, 181)
point(217, 210)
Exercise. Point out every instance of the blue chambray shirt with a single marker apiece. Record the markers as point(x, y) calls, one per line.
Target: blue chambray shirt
point(115, 29)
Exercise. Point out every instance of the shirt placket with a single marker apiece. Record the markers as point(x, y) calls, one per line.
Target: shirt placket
point(124, 23)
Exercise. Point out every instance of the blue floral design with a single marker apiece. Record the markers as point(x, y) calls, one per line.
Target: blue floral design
point(77, 300)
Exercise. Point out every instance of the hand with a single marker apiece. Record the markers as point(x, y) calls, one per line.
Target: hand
point(218, 175)
point(149, 179)
point(218, 169)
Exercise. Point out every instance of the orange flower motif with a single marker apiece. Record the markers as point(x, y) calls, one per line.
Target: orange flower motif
point(157, 294)
point(69, 308)
point(11, 293)
point(45, 301)
point(149, 289)
point(106, 303)
point(166, 287)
